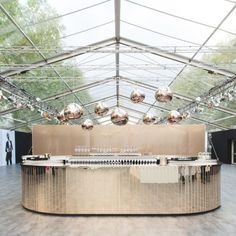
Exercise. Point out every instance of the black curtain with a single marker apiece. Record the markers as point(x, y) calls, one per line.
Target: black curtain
point(222, 143)
point(23, 142)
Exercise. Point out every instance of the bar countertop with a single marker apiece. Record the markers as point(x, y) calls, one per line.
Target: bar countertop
point(114, 161)
point(120, 184)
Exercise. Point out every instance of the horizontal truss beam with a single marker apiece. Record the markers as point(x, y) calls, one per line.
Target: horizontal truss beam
point(66, 93)
point(60, 57)
point(176, 57)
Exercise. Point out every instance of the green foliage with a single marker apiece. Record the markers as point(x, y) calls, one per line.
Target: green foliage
point(195, 82)
point(32, 16)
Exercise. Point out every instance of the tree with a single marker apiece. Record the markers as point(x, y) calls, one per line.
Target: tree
point(32, 15)
point(194, 82)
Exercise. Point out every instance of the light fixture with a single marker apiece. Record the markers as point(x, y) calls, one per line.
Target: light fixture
point(148, 119)
point(186, 115)
point(198, 109)
point(87, 125)
point(137, 96)
point(30, 106)
point(73, 111)
point(61, 117)
point(213, 102)
point(45, 115)
point(174, 116)
point(230, 97)
point(19, 104)
point(101, 109)
point(198, 99)
point(11, 99)
point(163, 94)
point(119, 116)
point(1, 95)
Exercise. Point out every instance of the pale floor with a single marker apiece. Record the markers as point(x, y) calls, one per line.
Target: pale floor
point(14, 220)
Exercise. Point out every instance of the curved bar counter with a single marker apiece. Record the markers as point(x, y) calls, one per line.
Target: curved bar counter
point(120, 185)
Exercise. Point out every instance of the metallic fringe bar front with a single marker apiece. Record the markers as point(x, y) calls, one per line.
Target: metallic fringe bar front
point(119, 190)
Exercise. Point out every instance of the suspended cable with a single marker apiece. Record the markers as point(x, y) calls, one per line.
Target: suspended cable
point(179, 17)
point(60, 16)
point(39, 52)
point(206, 41)
point(156, 32)
point(154, 64)
point(86, 30)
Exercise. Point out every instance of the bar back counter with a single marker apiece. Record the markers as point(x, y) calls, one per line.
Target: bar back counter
point(120, 183)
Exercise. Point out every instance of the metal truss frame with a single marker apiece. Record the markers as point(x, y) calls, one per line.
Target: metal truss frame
point(118, 41)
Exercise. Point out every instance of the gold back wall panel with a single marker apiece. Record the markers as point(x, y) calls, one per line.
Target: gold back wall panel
point(153, 139)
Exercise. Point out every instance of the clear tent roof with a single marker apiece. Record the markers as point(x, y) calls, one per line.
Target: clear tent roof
point(94, 50)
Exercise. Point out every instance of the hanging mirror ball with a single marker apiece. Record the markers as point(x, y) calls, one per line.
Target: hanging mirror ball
point(101, 109)
point(148, 119)
point(73, 111)
point(137, 96)
point(87, 125)
point(61, 118)
point(174, 116)
point(119, 116)
point(163, 94)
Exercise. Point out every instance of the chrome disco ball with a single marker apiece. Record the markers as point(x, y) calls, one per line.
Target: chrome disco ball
point(61, 118)
point(148, 119)
point(101, 109)
point(119, 116)
point(87, 125)
point(73, 111)
point(137, 96)
point(174, 116)
point(163, 94)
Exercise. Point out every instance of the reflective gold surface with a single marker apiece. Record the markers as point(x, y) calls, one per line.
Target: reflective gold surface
point(174, 116)
point(73, 111)
point(119, 116)
point(137, 96)
point(121, 190)
point(163, 94)
point(148, 119)
point(61, 118)
point(186, 140)
point(101, 109)
point(87, 125)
